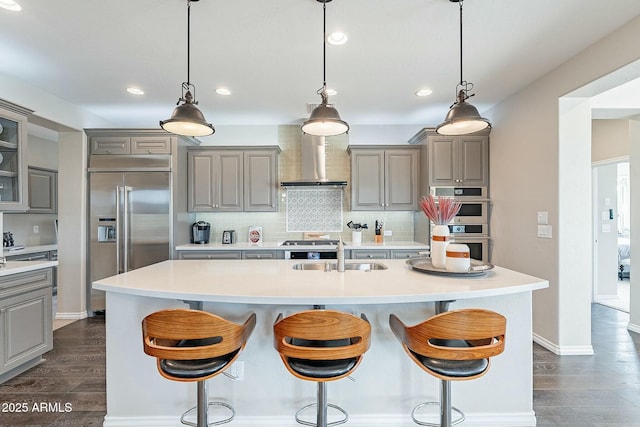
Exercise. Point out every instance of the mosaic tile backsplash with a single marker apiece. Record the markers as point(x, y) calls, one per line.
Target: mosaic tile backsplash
point(314, 209)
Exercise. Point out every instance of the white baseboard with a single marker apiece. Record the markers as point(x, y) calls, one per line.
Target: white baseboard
point(71, 316)
point(515, 419)
point(633, 327)
point(584, 350)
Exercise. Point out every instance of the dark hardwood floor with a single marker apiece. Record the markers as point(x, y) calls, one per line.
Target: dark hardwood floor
point(68, 389)
point(578, 391)
point(602, 390)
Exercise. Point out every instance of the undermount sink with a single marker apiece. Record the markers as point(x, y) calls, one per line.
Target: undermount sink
point(328, 266)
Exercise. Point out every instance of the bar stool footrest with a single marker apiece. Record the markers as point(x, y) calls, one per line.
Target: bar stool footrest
point(213, 423)
point(424, 423)
point(330, 405)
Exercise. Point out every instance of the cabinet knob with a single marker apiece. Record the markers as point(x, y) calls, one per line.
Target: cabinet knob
point(369, 256)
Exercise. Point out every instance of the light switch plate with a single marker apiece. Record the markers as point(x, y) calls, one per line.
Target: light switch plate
point(543, 217)
point(544, 231)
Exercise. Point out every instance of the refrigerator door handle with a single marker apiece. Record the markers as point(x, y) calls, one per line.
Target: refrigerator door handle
point(118, 233)
point(126, 190)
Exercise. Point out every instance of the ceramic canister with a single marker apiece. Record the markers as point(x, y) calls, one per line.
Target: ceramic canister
point(458, 258)
point(439, 243)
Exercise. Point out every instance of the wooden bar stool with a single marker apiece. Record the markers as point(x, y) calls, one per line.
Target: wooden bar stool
point(193, 345)
point(453, 346)
point(321, 346)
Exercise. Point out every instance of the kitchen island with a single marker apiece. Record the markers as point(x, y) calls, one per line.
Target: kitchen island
point(387, 384)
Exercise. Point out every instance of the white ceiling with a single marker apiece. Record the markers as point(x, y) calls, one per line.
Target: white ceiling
point(269, 53)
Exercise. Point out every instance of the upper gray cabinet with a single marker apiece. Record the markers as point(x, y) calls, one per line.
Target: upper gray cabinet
point(459, 161)
point(13, 157)
point(261, 181)
point(43, 190)
point(232, 180)
point(215, 181)
point(384, 178)
point(115, 144)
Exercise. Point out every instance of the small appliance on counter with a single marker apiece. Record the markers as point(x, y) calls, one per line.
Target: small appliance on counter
point(7, 239)
point(200, 232)
point(228, 237)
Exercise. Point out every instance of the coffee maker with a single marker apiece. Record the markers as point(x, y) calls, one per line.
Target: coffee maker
point(200, 232)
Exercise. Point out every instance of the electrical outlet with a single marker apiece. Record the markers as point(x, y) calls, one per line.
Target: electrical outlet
point(36, 229)
point(237, 370)
point(388, 233)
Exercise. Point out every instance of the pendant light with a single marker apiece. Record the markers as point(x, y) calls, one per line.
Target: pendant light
point(463, 118)
point(187, 119)
point(325, 119)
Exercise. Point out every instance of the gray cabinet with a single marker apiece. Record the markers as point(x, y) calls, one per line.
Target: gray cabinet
point(227, 180)
point(116, 144)
point(459, 160)
point(43, 190)
point(384, 178)
point(370, 254)
point(13, 157)
point(25, 320)
point(263, 254)
point(33, 256)
point(407, 253)
point(261, 181)
point(215, 181)
point(210, 254)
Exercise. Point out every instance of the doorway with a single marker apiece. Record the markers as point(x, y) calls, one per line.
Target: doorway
point(611, 231)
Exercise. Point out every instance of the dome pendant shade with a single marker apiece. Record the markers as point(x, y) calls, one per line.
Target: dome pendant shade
point(325, 121)
point(463, 118)
point(188, 120)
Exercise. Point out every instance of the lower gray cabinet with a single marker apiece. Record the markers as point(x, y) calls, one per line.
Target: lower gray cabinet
point(210, 255)
point(26, 330)
point(406, 254)
point(370, 254)
point(266, 254)
point(40, 256)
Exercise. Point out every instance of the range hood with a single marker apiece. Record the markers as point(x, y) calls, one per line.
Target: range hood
point(314, 172)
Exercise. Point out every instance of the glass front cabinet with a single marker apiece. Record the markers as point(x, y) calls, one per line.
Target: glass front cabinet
point(13, 157)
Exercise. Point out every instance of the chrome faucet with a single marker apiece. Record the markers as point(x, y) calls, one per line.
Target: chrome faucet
point(340, 254)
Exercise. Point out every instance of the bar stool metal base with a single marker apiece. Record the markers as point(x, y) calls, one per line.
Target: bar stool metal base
point(321, 413)
point(202, 410)
point(424, 423)
point(330, 405)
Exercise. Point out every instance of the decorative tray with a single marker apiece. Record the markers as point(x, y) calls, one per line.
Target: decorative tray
point(423, 265)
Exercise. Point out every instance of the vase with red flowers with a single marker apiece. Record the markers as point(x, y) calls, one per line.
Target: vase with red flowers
point(440, 212)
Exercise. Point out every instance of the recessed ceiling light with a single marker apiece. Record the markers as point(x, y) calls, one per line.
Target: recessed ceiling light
point(10, 5)
point(331, 92)
point(337, 38)
point(223, 91)
point(424, 92)
point(133, 90)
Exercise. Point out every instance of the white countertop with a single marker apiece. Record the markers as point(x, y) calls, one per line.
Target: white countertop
point(13, 267)
point(244, 246)
point(275, 282)
point(28, 250)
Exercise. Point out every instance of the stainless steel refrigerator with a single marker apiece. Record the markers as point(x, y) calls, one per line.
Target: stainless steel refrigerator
point(130, 223)
point(137, 203)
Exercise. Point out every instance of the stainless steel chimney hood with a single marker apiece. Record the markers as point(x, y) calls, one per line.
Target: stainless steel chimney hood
point(313, 165)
